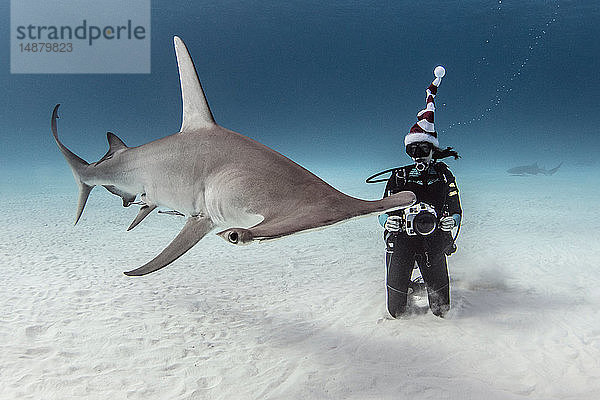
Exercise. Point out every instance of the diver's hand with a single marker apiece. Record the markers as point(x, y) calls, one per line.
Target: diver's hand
point(447, 223)
point(392, 223)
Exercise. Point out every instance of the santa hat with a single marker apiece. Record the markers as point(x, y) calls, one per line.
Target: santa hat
point(424, 130)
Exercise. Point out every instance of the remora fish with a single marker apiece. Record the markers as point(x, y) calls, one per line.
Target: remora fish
point(215, 177)
point(532, 169)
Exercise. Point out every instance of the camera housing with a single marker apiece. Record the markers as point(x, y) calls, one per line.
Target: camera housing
point(420, 220)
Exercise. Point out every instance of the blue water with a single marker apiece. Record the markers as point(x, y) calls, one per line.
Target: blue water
point(336, 85)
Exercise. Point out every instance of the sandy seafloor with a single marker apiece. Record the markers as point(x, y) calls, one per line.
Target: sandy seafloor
point(302, 317)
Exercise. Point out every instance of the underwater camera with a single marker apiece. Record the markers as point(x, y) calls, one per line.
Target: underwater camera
point(420, 219)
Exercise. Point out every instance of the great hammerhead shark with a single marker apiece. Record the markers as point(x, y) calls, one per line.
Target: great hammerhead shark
point(216, 178)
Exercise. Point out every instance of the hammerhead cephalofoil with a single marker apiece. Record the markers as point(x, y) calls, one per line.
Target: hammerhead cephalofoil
point(216, 178)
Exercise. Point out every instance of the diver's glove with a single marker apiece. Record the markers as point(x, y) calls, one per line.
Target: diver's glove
point(392, 223)
point(447, 223)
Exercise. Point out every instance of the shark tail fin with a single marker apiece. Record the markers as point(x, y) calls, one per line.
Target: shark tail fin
point(84, 192)
point(77, 164)
point(553, 170)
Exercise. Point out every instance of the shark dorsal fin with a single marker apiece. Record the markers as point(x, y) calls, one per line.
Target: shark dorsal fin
point(196, 112)
point(114, 144)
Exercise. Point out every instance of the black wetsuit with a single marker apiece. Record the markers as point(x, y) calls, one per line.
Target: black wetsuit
point(435, 186)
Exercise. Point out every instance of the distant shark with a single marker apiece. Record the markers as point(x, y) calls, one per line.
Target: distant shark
point(532, 169)
point(216, 178)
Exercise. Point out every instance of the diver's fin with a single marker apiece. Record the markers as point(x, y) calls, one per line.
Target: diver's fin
point(144, 211)
point(196, 112)
point(195, 229)
point(127, 198)
point(84, 192)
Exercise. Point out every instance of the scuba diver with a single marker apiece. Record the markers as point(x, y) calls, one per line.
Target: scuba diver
point(422, 233)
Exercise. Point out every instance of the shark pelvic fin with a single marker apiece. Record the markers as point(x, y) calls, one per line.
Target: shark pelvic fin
point(127, 198)
point(196, 112)
point(195, 229)
point(144, 211)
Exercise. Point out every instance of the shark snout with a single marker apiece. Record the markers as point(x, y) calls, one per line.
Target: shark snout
point(237, 236)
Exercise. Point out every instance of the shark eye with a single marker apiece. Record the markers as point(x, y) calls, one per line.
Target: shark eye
point(233, 237)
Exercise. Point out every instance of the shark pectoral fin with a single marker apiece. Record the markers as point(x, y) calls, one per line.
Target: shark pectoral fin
point(195, 229)
point(144, 211)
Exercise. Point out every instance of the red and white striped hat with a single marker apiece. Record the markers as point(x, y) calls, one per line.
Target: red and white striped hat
point(424, 130)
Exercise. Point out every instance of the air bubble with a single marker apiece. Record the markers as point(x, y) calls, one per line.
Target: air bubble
point(535, 36)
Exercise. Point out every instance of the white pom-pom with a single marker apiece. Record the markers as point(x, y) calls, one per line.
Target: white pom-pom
point(439, 71)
